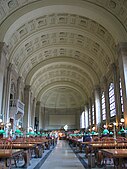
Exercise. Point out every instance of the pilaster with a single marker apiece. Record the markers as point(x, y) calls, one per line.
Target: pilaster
point(27, 111)
point(18, 86)
point(33, 112)
point(38, 114)
point(7, 92)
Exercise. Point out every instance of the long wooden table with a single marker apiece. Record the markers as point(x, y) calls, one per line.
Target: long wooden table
point(118, 156)
point(96, 148)
point(8, 154)
point(24, 147)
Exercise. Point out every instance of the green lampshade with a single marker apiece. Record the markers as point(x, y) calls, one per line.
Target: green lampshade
point(111, 133)
point(2, 131)
point(43, 134)
point(105, 131)
point(31, 133)
point(38, 132)
point(119, 133)
point(17, 131)
point(96, 133)
point(122, 130)
point(93, 132)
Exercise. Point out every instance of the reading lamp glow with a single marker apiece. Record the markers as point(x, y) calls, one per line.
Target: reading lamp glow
point(122, 120)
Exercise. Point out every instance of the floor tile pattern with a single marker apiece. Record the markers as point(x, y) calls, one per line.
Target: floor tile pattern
point(62, 157)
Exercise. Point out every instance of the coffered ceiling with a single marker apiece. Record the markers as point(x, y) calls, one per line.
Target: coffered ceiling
point(62, 49)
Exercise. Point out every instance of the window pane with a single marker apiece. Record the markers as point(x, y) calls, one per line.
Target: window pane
point(121, 96)
point(103, 106)
point(112, 100)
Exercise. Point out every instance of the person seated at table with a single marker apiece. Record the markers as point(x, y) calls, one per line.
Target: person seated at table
point(87, 138)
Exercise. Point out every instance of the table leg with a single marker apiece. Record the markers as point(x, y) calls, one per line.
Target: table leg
point(26, 159)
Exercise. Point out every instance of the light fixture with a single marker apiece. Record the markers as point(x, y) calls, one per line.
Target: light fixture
point(105, 126)
point(122, 120)
point(114, 123)
point(20, 126)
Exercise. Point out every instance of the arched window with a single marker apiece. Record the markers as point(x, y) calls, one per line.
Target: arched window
point(86, 117)
point(93, 117)
point(103, 106)
point(121, 97)
point(112, 100)
point(82, 120)
point(89, 117)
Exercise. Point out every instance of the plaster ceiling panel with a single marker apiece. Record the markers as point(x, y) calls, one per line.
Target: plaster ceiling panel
point(54, 68)
point(67, 73)
point(62, 48)
point(59, 77)
point(117, 9)
point(62, 97)
point(71, 83)
point(29, 53)
point(92, 27)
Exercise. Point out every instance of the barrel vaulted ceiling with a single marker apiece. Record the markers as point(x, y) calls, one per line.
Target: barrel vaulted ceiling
point(62, 49)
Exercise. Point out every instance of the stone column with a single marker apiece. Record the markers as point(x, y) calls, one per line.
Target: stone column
point(78, 118)
point(7, 92)
point(19, 87)
point(33, 113)
point(38, 114)
point(122, 52)
point(27, 110)
point(106, 94)
point(43, 117)
point(3, 62)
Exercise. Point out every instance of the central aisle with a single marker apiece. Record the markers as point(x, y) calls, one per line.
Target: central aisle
point(62, 157)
